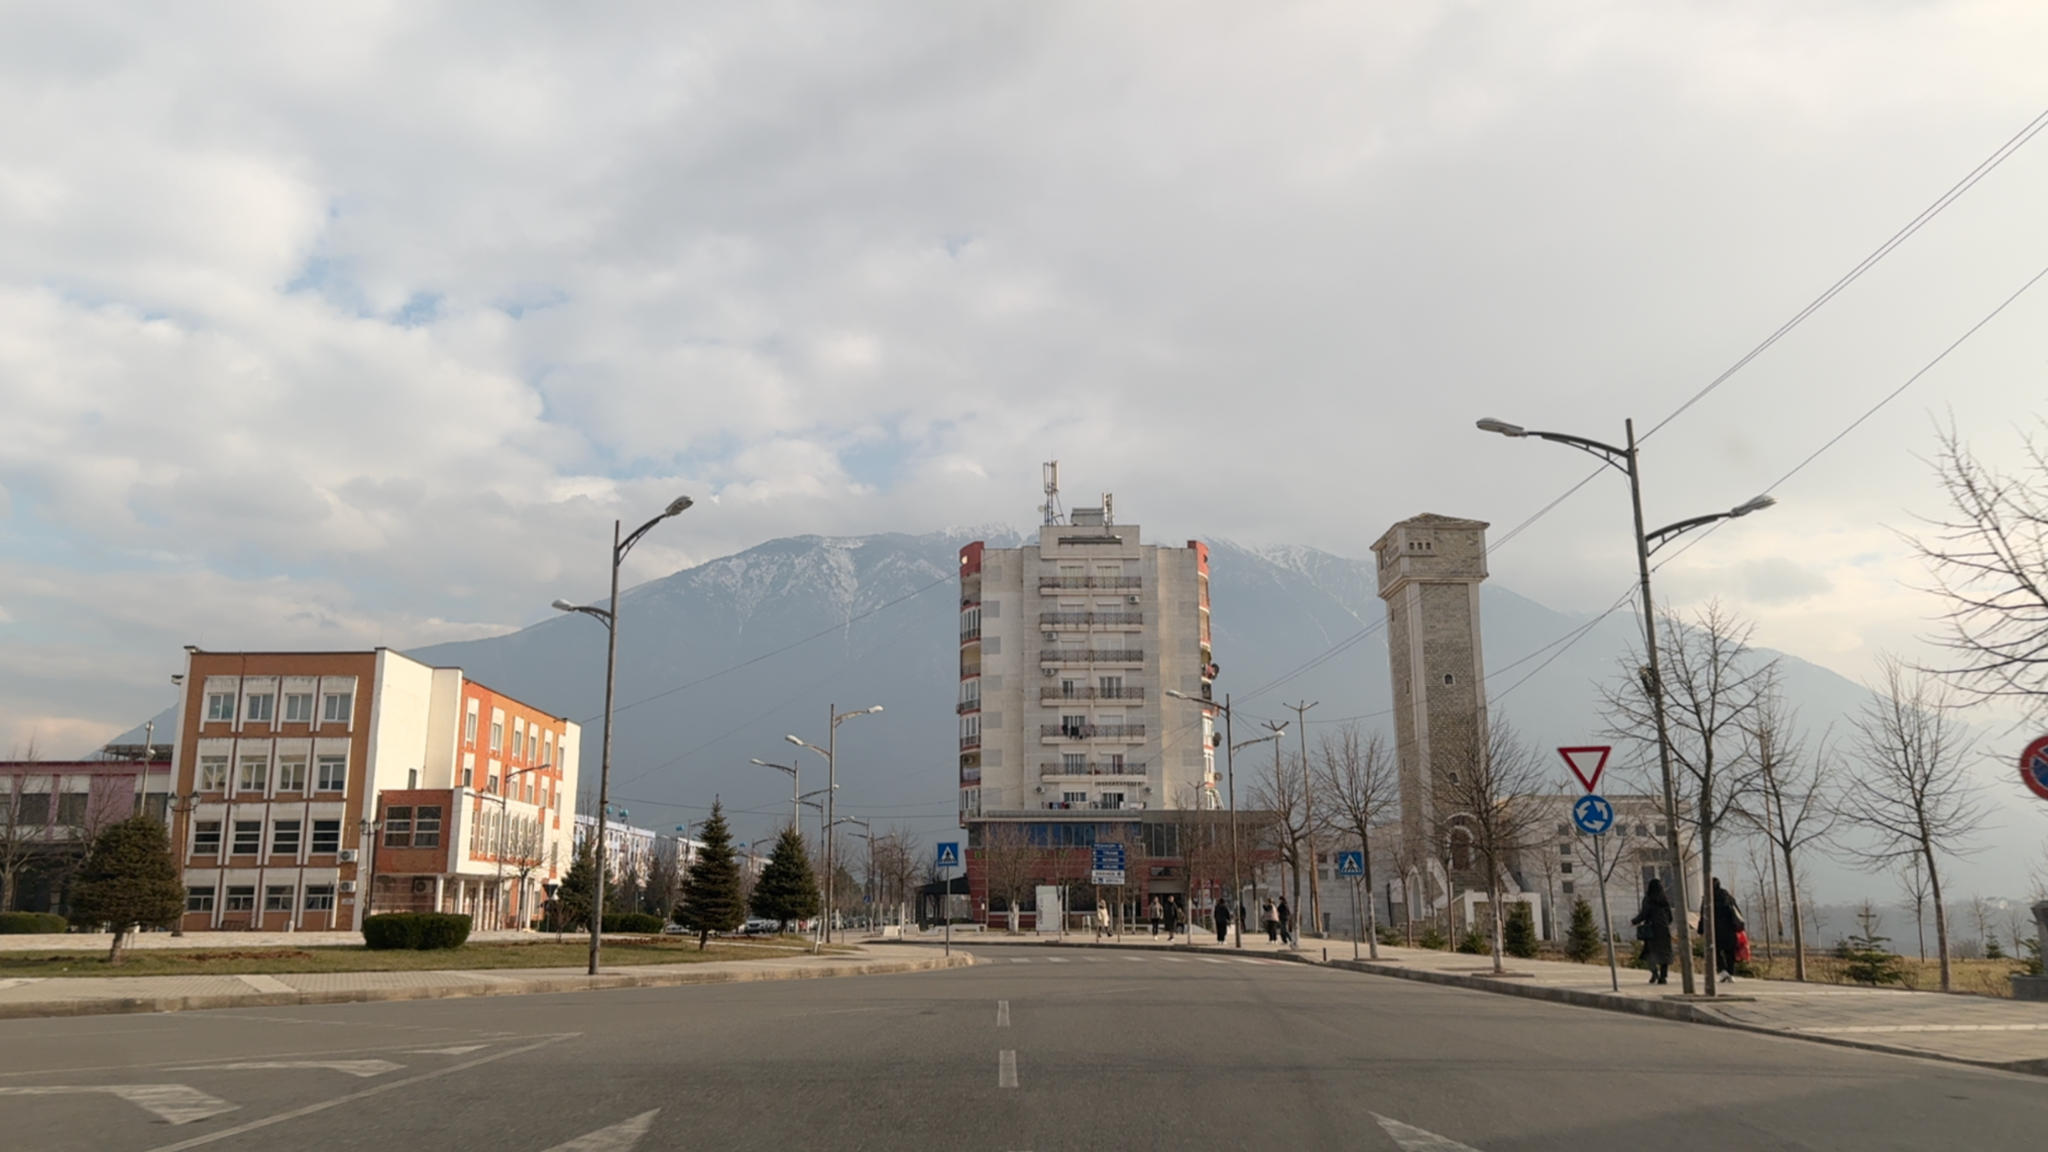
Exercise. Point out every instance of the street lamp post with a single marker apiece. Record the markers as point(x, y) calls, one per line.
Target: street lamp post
point(498, 848)
point(609, 617)
point(1230, 783)
point(830, 753)
point(795, 785)
point(1627, 461)
point(182, 807)
point(1308, 819)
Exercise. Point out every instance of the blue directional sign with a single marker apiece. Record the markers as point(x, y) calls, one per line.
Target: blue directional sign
point(1350, 864)
point(1109, 857)
point(1593, 815)
point(949, 854)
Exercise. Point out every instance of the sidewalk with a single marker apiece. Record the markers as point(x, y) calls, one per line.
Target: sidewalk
point(29, 997)
point(2008, 1034)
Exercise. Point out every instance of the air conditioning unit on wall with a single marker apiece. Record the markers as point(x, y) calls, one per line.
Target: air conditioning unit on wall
point(348, 885)
point(347, 855)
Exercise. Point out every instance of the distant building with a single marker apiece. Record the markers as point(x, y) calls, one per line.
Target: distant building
point(1066, 737)
point(313, 788)
point(50, 810)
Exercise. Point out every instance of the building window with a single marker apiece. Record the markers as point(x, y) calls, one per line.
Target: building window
point(1564, 849)
point(970, 730)
point(220, 706)
point(198, 899)
point(248, 837)
point(284, 837)
point(298, 708)
point(326, 837)
point(1565, 869)
point(213, 773)
point(1112, 799)
point(1073, 798)
point(333, 775)
point(206, 839)
point(547, 752)
point(241, 898)
point(262, 707)
point(291, 774)
point(497, 735)
point(1110, 687)
point(277, 898)
point(1073, 762)
point(519, 740)
point(1567, 886)
point(71, 809)
point(1073, 726)
point(398, 826)
point(469, 725)
point(320, 898)
point(255, 774)
point(426, 827)
point(1116, 763)
point(468, 769)
point(491, 783)
point(337, 706)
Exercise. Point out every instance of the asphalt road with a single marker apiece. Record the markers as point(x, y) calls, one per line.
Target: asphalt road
point(1026, 1052)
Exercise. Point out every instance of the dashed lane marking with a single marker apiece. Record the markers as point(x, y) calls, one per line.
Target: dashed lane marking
point(1020, 960)
point(173, 1103)
point(1006, 1069)
point(458, 1050)
point(1002, 1013)
point(621, 1137)
point(1055, 960)
point(363, 1068)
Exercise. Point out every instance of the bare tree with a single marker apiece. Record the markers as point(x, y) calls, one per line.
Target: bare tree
point(1360, 784)
point(664, 874)
point(1793, 806)
point(1912, 880)
point(1916, 801)
point(1011, 862)
point(1988, 557)
point(1713, 686)
point(1486, 794)
point(1278, 791)
point(24, 825)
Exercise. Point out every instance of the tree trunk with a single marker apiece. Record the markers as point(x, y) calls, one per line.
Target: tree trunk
point(1707, 903)
point(1940, 914)
point(120, 938)
point(703, 935)
point(1493, 895)
point(1372, 934)
point(1798, 929)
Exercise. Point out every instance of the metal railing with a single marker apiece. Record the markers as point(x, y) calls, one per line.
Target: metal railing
point(1092, 768)
point(1092, 656)
point(1091, 581)
point(1079, 693)
point(1088, 619)
point(966, 706)
point(1093, 731)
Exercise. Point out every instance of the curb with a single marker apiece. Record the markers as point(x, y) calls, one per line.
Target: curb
point(489, 985)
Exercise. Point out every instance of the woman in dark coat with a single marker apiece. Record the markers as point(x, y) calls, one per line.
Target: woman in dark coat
point(1727, 922)
point(1222, 921)
point(1654, 930)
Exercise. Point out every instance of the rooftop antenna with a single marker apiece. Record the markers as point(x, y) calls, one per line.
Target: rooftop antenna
point(1053, 512)
point(1108, 509)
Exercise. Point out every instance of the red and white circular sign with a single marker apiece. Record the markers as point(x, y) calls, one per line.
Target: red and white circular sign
point(2034, 767)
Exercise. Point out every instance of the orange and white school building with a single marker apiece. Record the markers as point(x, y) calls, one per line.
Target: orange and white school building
point(313, 788)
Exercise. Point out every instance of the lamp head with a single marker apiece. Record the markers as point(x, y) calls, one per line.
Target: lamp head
point(678, 506)
point(794, 740)
point(1757, 505)
point(563, 606)
point(1489, 424)
point(876, 708)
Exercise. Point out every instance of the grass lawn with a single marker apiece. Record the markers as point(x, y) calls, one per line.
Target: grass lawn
point(543, 952)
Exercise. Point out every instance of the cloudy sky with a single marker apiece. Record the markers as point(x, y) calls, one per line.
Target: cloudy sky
point(342, 325)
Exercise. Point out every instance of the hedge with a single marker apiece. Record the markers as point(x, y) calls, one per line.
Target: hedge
point(31, 923)
point(418, 931)
point(632, 922)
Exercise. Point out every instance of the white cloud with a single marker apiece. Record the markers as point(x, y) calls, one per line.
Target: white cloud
point(351, 323)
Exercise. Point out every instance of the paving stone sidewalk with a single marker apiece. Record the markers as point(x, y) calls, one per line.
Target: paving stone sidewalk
point(2008, 1034)
point(97, 995)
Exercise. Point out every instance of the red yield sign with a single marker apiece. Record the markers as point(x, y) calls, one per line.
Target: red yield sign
point(1587, 763)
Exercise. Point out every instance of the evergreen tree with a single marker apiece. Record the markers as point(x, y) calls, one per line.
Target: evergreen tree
point(573, 898)
point(1518, 935)
point(1582, 939)
point(129, 878)
point(787, 888)
point(711, 888)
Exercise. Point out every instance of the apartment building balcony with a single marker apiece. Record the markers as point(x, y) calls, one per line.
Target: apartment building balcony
point(1131, 768)
point(1089, 619)
point(1091, 731)
point(1045, 582)
point(966, 706)
point(1056, 695)
point(967, 742)
point(970, 635)
point(1091, 656)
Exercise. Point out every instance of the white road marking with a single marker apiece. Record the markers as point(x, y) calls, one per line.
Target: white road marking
point(1413, 1139)
point(620, 1137)
point(1055, 960)
point(1213, 960)
point(266, 984)
point(1927, 1028)
point(1138, 959)
point(1002, 1013)
point(173, 1103)
point(1019, 960)
point(1098, 960)
point(1006, 1069)
point(460, 1050)
point(364, 1068)
point(1175, 959)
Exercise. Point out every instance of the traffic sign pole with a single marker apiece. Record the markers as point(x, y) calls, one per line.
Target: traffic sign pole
point(1606, 917)
point(949, 858)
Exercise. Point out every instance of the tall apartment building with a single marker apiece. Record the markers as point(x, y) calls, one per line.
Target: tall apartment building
point(1066, 649)
point(313, 788)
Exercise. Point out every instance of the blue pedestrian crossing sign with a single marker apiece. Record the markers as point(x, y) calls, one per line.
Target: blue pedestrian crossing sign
point(1593, 815)
point(1350, 864)
point(949, 854)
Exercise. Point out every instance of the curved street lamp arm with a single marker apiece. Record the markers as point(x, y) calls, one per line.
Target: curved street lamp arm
point(676, 507)
point(1670, 532)
point(1616, 458)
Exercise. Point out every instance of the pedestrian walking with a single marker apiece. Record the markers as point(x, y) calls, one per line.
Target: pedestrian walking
point(1153, 914)
point(1270, 917)
point(1222, 921)
point(1728, 923)
point(1286, 921)
point(1101, 919)
point(1653, 928)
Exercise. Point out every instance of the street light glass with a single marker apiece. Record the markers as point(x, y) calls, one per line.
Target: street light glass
point(679, 505)
point(563, 606)
point(1756, 505)
point(1489, 424)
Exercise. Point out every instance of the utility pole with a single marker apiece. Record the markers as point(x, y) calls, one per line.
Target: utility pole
point(1308, 801)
